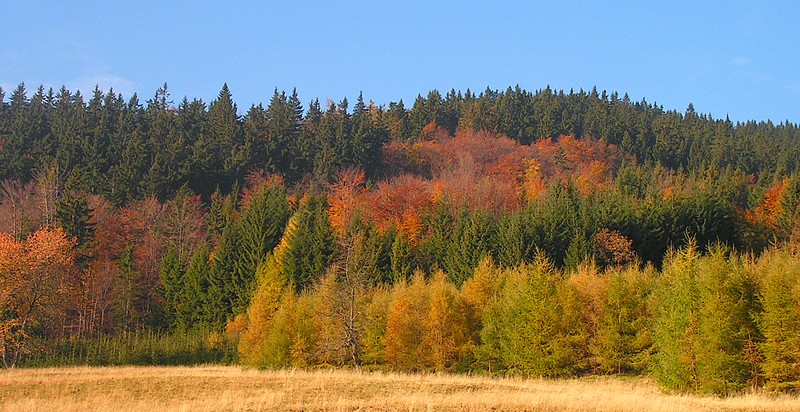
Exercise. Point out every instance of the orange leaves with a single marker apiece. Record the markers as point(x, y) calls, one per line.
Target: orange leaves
point(767, 212)
point(34, 283)
point(400, 202)
point(48, 248)
point(10, 256)
point(772, 204)
point(346, 199)
point(589, 163)
point(9, 252)
point(426, 325)
point(764, 219)
point(42, 250)
point(533, 182)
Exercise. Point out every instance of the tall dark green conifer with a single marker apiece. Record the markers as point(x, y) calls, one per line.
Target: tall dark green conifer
point(74, 216)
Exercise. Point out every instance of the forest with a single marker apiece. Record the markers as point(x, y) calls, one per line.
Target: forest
point(543, 233)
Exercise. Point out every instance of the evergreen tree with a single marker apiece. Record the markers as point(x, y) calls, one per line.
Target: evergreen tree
point(128, 308)
point(195, 297)
point(172, 288)
point(74, 216)
point(623, 339)
point(311, 247)
point(224, 132)
point(779, 322)
point(727, 333)
point(536, 327)
point(131, 144)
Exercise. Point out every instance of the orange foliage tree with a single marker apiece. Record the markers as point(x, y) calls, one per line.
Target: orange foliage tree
point(36, 283)
point(346, 199)
point(591, 164)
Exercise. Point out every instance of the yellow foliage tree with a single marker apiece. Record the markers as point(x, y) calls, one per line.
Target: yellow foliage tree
point(478, 292)
point(445, 336)
point(404, 331)
point(270, 290)
point(376, 312)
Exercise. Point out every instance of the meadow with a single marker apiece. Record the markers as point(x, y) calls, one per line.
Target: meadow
point(230, 388)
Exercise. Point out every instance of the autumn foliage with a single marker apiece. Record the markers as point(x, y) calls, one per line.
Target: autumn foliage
point(508, 232)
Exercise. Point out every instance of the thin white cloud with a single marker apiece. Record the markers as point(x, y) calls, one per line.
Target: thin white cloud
point(794, 87)
point(86, 84)
point(741, 61)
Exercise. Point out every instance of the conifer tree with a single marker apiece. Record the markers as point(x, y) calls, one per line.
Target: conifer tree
point(404, 331)
point(129, 294)
point(623, 339)
point(402, 258)
point(311, 248)
point(272, 286)
point(195, 298)
point(726, 328)
point(172, 287)
point(537, 326)
point(779, 322)
point(675, 322)
point(258, 231)
point(75, 217)
point(446, 333)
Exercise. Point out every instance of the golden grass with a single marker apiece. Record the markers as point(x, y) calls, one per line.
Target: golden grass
point(217, 388)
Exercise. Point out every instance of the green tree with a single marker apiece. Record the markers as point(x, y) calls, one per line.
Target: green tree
point(311, 248)
point(780, 322)
point(195, 306)
point(172, 287)
point(675, 321)
point(536, 327)
point(130, 297)
point(727, 332)
point(623, 340)
point(74, 216)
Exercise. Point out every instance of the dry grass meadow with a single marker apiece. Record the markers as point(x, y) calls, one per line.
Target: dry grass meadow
point(215, 388)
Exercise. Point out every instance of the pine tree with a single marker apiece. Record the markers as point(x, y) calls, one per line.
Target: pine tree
point(131, 144)
point(195, 297)
point(623, 339)
point(675, 322)
point(536, 327)
point(129, 294)
point(403, 262)
point(172, 287)
point(779, 322)
point(311, 248)
point(272, 286)
point(258, 231)
point(446, 335)
point(404, 332)
point(74, 216)
point(726, 328)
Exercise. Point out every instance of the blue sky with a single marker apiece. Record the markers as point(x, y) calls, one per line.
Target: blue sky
point(739, 59)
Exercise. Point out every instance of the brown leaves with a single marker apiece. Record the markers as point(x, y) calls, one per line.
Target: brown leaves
point(612, 248)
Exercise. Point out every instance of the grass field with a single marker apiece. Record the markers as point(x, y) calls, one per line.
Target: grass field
point(214, 388)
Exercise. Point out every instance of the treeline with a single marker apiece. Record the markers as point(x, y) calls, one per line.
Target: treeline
point(126, 150)
point(715, 323)
point(295, 235)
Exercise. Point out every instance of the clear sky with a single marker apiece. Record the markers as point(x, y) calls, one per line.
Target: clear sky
point(735, 58)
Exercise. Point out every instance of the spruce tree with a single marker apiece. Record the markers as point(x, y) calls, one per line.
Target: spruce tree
point(780, 320)
point(172, 287)
point(74, 216)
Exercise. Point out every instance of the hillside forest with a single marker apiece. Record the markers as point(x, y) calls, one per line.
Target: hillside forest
point(544, 233)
